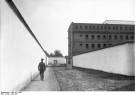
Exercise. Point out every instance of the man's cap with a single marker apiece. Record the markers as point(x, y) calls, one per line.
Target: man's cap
point(42, 59)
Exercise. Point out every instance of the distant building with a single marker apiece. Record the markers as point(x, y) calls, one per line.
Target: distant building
point(88, 37)
point(56, 61)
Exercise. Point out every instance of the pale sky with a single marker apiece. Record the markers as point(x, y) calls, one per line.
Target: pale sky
point(50, 19)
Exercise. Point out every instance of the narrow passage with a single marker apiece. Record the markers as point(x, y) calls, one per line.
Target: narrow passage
point(49, 84)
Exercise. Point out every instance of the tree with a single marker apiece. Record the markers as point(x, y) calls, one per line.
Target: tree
point(51, 54)
point(57, 53)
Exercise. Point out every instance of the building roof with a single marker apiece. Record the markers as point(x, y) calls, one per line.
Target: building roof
point(119, 22)
point(110, 22)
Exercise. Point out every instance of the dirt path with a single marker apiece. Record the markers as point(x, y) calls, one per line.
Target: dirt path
point(92, 80)
point(49, 84)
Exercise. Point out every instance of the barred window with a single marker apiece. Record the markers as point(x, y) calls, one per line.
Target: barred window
point(97, 27)
point(121, 37)
point(99, 45)
point(132, 37)
point(80, 44)
point(104, 37)
point(113, 27)
point(92, 36)
point(76, 27)
point(105, 27)
point(93, 27)
point(87, 46)
point(109, 27)
point(127, 37)
point(86, 27)
point(115, 37)
point(104, 45)
point(110, 37)
point(86, 36)
point(126, 28)
point(81, 27)
point(80, 35)
point(89, 27)
point(132, 28)
point(93, 45)
point(110, 44)
point(101, 27)
point(116, 27)
point(121, 28)
point(98, 36)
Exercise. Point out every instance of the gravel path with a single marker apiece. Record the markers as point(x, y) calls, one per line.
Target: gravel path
point(49, 84)
point(91, 80)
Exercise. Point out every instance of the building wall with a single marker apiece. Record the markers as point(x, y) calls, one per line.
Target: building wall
point(86, 37)
point(60, 60)
point(117, 59)
point(20, 54)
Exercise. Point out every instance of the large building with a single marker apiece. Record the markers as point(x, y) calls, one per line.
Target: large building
point(88, 37)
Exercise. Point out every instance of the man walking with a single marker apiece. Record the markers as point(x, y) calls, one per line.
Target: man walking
point(42, 68)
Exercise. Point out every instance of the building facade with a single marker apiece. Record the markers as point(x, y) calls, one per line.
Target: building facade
point(88, 37)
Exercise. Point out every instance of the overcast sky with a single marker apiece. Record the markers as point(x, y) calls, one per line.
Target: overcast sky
point(50, 19)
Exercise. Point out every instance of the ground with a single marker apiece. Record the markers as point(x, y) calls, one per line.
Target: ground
point(49, 84)
point(78, 79)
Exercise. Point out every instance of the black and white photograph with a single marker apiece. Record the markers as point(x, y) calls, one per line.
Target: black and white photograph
point(67, 46)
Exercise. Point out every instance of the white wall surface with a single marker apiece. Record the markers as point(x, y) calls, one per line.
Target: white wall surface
point(59, 60)
point(20, 54)
point(118, 59)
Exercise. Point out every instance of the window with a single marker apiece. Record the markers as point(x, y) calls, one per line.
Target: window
point(81, 45)
point(109, 27)
point(55, 61)
point(104, 37)
point(93, 45)
point(110, 37)
point(97, 27)
point(86, 36)
point(101, 27)
point(80, 35)
point(93, 27)
point(89, 27)
point(113, 27)
point(81, 27)
point(115, 36)
point(104, 45)
point(86, 27)
point(131, 28)
point(116, 27)
point(132, 37)
point(105, 27)
point(99, 46)
point(98, 36)
point(120, 27)
point(127, 37)
point(110, 44)
point(125, 27)
point(76, 27)
point(87, 46)
point(92, 36)
point(121, 37)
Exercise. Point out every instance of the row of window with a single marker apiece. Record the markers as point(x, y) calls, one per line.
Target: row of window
point(93, 46)
point(113, 27)
point(122, 37)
